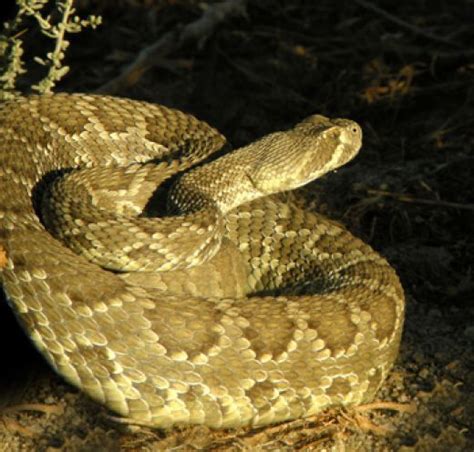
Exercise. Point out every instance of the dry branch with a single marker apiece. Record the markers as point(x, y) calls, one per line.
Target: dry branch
point(197, 31)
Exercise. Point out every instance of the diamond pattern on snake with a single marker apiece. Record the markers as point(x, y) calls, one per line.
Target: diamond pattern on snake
point(228, 307)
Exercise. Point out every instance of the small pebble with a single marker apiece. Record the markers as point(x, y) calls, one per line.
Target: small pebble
point(469, 332)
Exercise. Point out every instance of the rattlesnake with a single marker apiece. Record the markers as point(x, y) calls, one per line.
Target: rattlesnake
point(247, 310)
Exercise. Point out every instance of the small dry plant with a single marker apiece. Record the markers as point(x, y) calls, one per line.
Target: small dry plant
point(55, 22)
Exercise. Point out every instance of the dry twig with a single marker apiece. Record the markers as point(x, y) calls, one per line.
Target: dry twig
point(198, 31)
point(393, 406)
point(401, 23)
point(410, 199)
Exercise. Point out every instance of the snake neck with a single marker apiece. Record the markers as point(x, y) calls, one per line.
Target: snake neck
point(211, 185)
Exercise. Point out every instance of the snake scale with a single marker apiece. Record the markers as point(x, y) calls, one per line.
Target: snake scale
point(232, 308)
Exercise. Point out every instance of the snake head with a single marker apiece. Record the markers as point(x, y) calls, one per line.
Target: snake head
point(315, 146)
point(277, 162)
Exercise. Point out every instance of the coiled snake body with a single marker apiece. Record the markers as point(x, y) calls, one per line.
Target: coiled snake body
point(232, 309)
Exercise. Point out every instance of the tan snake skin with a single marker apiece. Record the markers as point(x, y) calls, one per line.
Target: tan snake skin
point(245, 311)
